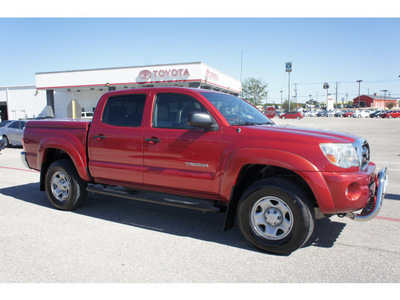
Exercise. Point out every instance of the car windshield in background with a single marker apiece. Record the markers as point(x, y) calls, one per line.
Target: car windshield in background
point(4, 123)
point(236, 111)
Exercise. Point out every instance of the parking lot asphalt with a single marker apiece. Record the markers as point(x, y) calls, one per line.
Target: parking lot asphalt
point(116, 240)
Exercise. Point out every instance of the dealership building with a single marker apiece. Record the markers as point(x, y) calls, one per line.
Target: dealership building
point(375, 101)
point(55, 91)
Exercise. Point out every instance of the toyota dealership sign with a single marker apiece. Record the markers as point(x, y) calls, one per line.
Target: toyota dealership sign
point(164, 74)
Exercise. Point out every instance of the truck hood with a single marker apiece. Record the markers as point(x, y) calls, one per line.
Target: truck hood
point(301, 134)
point(301, 141)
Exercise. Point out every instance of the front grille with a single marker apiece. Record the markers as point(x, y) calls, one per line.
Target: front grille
point(363, 152)
point(365, 155)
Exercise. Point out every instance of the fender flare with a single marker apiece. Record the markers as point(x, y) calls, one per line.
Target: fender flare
point(278, 158)
point(76, 153)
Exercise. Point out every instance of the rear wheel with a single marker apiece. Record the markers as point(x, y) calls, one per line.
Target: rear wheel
point(64, 188)
point(275, 216)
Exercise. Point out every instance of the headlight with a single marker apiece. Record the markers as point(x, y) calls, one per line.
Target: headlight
point(341, 155)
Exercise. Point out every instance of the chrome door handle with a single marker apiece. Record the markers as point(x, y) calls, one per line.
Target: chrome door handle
point(100, 137)
point(153, 140)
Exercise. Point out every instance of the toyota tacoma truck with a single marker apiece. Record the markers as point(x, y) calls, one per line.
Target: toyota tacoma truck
point(209, 151)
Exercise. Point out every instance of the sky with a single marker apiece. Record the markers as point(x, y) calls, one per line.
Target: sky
point(338, 50)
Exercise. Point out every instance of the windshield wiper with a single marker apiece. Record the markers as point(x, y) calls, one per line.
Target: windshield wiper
point(251, 123)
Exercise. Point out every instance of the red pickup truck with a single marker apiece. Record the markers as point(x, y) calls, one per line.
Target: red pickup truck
point(209, 151)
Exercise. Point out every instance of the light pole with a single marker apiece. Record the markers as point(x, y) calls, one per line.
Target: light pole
point(288, 69)
point(384, 98)
point(281, 99)
point(359, 86)
point(289, 90)
point(326, 87)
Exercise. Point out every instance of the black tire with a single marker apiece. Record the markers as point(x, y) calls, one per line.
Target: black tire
point(6, 141)
point(64, 188)
point(291, 216)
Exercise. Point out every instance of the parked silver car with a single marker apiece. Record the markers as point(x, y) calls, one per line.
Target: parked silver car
point(5, 123)
point(12, 133)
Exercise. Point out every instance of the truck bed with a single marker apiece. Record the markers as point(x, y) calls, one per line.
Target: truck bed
point(71, 134)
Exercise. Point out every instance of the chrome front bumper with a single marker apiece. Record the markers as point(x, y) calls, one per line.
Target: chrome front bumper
point(371, 211)
point(24, 161)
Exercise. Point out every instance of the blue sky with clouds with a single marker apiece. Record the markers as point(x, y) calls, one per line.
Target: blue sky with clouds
point(322, 50)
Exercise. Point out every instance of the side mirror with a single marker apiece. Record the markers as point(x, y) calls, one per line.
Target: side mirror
point(201, 120)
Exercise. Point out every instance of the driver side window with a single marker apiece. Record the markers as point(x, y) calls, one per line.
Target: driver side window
point(172, 111)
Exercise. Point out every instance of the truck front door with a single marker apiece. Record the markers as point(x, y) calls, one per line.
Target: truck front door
point(177, 157)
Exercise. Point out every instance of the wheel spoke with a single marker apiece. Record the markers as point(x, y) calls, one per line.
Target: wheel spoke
point(271, 230)
point(260, 219)
point(285, 225)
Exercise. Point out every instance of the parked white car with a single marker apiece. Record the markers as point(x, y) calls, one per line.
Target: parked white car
point(87, 114)
point(362, 114)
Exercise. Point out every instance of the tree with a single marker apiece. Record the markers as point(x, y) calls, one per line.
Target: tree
point(254, 90)
point(285, 106)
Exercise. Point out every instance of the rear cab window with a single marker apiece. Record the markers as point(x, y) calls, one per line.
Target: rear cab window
point(124, 110)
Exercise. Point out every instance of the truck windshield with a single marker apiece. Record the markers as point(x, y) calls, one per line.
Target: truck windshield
point(236, 111)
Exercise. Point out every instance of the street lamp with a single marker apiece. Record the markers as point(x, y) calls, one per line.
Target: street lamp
point(288, 69)
point(359, 85)
point(384, 98)
point(281, 99)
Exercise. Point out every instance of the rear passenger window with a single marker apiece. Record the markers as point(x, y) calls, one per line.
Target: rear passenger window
point(124, 110)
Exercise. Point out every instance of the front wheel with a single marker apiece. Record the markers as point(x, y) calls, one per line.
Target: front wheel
point(276, 216)
point(64, 188)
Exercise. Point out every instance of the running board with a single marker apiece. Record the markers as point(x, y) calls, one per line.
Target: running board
point(158, 198)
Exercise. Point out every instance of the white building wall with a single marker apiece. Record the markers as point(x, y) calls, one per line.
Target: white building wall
point(23, 102)
point(215, 77)
point(86, 99)
point(3, 95)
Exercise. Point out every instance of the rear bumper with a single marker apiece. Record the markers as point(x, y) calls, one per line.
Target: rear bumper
point(373, 207)
point(24, 161)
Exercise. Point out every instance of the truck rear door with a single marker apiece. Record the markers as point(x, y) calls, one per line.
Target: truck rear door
point(115, 142)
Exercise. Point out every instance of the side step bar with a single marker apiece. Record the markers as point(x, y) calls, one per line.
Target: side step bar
point(158, 198)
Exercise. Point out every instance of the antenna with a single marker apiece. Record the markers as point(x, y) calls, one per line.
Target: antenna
point(241, 73)
point(241, 83)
